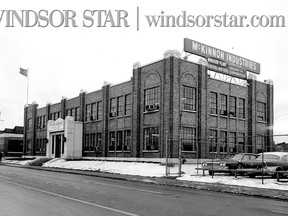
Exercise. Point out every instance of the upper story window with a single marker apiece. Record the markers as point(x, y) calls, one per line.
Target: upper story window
point(41, 122)
point(77, 114)
point(128, 104)
point(88, 112)
point(93, 111)
point(189, 98)
point(112, 107)
point(152, 99)
point(189, 139)
point(261, 111)
point(213, 103)
point(120, 106)
point(151, 138)
point(29, 124)
point(232, 106)
point(223, 105)
point(99, 110)
point(241, 110)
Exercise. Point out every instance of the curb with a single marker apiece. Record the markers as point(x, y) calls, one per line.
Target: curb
point(218, 187)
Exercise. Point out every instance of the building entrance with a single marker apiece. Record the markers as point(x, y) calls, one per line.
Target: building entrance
point(58, 142)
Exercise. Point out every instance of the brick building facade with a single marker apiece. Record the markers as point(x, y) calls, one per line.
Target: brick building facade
point(171, 102)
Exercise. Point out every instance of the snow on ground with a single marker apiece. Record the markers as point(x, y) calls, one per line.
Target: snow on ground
point(158, 170)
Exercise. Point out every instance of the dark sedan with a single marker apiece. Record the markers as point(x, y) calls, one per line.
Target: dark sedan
point(228, 163)
point(269, 161)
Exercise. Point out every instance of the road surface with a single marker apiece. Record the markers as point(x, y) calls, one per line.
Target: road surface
point(28, 192)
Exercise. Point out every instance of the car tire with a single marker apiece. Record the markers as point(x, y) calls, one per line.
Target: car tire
point(280, 174)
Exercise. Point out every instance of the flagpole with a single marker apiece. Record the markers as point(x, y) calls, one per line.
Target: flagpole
point(27, 86)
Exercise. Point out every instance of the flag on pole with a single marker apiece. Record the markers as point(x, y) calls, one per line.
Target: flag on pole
point(24, 72)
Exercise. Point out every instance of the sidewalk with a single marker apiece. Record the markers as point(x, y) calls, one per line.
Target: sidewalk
point(168, 181)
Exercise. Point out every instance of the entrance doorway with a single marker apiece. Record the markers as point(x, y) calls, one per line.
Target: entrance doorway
point(58, 146)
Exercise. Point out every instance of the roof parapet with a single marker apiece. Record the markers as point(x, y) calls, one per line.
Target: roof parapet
point(172, 53)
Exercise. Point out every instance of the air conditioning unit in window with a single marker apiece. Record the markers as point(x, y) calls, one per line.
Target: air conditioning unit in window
point(112, 114)
point(232, 113)
point(91, 118)
point(223, 112)
point(157, 106)
point(151, 107)
point(147, 107)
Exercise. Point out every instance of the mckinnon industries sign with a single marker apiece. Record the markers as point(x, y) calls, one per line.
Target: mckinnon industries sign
point(222, 61)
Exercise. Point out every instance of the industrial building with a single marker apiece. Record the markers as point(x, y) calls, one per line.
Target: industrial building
point(11, 141)
point(169, 106)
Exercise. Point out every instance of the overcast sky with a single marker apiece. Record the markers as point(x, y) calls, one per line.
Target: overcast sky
point(64, 60)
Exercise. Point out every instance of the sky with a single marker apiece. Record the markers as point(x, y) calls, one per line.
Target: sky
point(62, 61)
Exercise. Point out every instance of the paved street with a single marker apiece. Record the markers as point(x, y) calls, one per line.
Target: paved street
point(38, 192)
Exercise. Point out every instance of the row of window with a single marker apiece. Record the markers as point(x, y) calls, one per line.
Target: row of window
point(226, 142)
point(151, 139)
point(152, 98)
point(93, 142)
point(223, 108)
point(40, 145)
point(41, 122)
point(120, 141)
point(94, 111)
point(74, 112)
point(121, 105)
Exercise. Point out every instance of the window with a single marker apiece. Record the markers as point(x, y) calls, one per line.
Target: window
point(232, 142)
point(261, 111)
point(37, 147)
point(189, 139)
point(127, 140)
point(223, 141)
point(68, 112)
point(112, 141)
point(151, 138)
point(232, 106)
point(213, 103)
point(29, 124)
point(112, 107)
point(38, 123)
point(151, 99)
point(90, 142)
point(29, 144)
point(213, 141)
point(241, 108)
point(223, 105)
point(120, 106)
point(119, 143)
point(77, 114)
point(88, 112)
point(73, 113)
point(44, 121)
point(98, 142)
point(87, 140)
point(93, 111)
point(128, 104)
point(241, 142)
point(93, 141)
point(259, 143)
point(189, 98)
point(99, 110)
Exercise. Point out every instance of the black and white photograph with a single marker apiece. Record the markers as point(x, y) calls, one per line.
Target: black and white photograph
point(143, 108)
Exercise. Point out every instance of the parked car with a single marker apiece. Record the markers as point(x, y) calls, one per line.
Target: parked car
point(269, 161)
point(228, 163)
